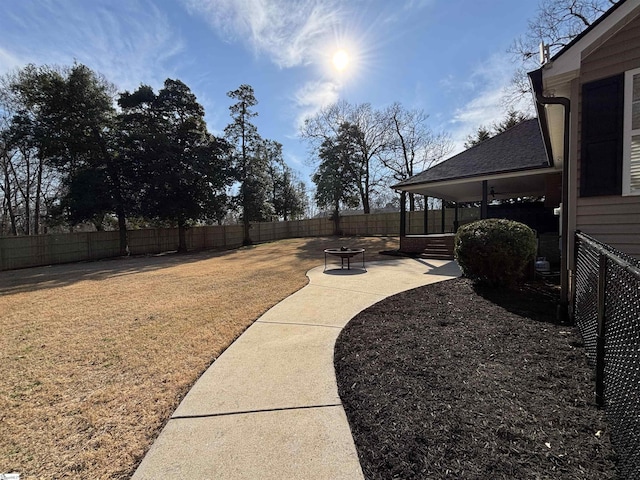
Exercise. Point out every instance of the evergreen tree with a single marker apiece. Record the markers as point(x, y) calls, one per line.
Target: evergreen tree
point(181, 170)
point(71, 114)
point(252, 156)
point(335, 183)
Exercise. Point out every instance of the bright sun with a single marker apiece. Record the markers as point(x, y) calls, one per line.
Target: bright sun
point(340, 60)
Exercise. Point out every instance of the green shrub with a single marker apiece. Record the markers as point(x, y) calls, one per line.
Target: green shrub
point(495, 251)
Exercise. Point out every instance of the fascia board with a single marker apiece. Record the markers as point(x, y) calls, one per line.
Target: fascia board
point(497, 176)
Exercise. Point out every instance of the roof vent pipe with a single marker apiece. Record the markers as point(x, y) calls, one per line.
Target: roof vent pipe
point(545, 54)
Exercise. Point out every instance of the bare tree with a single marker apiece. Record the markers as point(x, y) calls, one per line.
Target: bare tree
point(412, 146)
point(556, 24)
point(23, 172)
point(368, 133)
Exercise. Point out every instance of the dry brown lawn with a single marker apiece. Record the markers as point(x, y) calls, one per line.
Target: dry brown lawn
point(94, 357)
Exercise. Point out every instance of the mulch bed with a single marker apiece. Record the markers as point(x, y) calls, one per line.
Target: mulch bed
point(453, 381)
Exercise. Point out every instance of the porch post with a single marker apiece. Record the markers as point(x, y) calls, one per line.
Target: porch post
point(403, 214)
point(426, 214)
point(443, 212)
point(456, 223)
point(483, 207)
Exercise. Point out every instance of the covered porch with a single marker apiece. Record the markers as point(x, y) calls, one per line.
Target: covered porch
point(498, 178)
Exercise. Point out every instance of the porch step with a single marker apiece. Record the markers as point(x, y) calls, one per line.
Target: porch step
point(440, 248)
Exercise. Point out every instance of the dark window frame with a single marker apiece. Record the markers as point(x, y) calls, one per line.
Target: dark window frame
point(601, 153)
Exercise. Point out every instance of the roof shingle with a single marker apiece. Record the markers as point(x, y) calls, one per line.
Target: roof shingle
point(519, 148)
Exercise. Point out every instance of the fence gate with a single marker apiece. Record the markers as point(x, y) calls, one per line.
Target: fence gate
point(607, 313)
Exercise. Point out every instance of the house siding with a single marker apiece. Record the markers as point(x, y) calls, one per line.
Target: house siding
point(616, 55)
point(611, 219)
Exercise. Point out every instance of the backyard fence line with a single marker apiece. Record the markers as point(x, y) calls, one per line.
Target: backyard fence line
point(38, 250)
point(607, 313)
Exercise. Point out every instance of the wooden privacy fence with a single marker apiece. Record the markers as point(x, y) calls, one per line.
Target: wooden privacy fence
point(36, 250)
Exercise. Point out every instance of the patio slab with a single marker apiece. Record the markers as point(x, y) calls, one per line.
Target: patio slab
point(310, 444)
point(268, 407)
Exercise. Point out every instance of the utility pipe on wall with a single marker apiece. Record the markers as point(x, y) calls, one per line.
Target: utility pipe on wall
point(536, 81)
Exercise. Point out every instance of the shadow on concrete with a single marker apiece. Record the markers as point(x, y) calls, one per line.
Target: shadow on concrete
point(344, 271)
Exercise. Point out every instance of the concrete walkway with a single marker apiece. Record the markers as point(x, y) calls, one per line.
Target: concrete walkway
point(268, 407)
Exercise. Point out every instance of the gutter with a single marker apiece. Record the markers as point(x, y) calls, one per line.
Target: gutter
point(536, 82)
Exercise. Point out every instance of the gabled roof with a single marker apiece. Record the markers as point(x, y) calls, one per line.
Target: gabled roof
point(517, 149)
point(565, 64)
point(586, 31)
point(554, 78)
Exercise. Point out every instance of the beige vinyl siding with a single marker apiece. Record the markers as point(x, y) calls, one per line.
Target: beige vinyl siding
point(619, 54)
point(611, 219)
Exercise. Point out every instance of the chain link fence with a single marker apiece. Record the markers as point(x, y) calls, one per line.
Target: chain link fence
point(607, 313)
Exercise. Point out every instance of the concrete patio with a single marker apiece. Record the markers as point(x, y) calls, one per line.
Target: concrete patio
point(268, 407)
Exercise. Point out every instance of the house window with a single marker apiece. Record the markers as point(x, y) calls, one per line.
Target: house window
point(601, 153)
point(631, 155)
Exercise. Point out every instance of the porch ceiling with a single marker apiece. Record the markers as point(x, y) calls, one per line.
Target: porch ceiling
point(506, 185)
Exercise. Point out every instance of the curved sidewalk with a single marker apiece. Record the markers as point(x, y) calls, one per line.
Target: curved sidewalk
point(268, 407)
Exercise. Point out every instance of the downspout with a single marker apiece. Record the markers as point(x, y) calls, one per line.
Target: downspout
point(536, 83)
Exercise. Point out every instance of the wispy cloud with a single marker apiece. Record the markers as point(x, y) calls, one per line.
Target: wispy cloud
point(8, 61)
point(484, 92)
point(128, 42)
point(314, 95)
point(287, 31)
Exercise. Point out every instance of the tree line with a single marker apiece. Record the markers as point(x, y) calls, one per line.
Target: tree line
point(74, 150)
point(361, 151)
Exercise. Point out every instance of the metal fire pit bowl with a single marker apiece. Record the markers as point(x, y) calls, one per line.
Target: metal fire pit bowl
point(343, 253)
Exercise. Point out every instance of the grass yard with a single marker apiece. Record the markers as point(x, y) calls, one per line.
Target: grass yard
point(94, 357)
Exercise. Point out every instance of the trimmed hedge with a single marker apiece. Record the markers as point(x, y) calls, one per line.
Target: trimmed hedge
point(495, 251)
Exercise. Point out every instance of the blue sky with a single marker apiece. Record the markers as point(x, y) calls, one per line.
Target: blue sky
point(446, 57)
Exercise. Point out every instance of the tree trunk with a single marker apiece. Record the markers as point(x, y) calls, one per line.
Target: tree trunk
point(36, 209)
point(122, 229)
point(27, 195)
point(36, 212)
point(246, 224)
point(182, 236)
point(247, 236)
point(7, 195)
point(365, 205)
point(336, 220)
point(117, 191)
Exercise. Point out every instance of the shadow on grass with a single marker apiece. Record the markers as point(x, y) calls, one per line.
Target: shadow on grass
point(314, 247)
point(53, 276)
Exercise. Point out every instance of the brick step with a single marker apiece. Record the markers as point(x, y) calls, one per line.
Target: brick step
point(440, 240)
point(438, 250)
point(436, 256)
point(441, 245)
point(444, 251)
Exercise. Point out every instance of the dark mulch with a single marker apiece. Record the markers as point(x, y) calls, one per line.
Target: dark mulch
point(448, 381)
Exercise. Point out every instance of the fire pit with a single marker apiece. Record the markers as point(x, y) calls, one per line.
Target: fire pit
point(344, 252)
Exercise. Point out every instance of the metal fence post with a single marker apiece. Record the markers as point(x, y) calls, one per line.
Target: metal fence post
point(576, 250)
point(600, 336)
